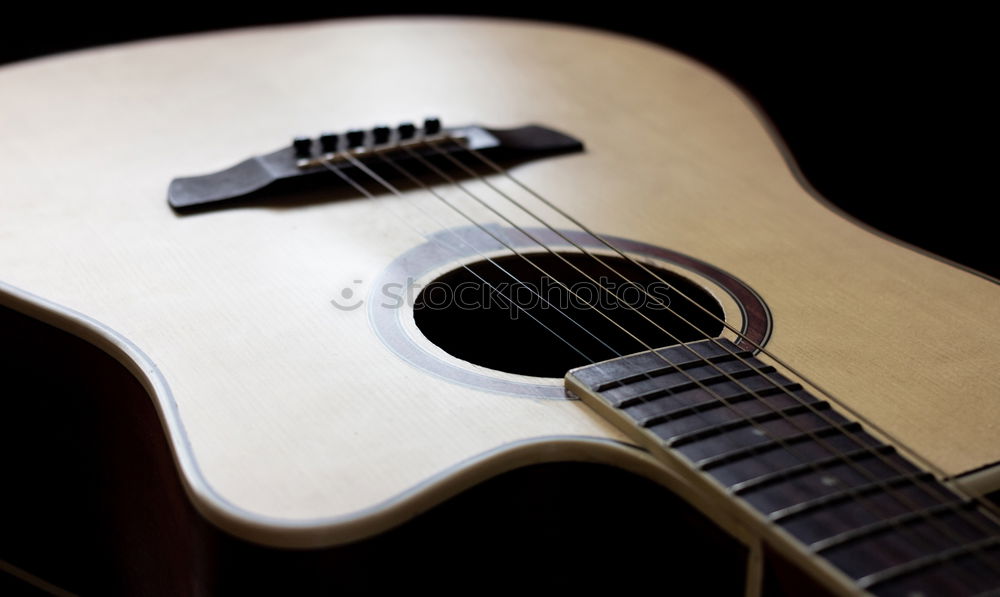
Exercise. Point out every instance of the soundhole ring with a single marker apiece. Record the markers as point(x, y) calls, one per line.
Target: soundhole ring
point(446, 251)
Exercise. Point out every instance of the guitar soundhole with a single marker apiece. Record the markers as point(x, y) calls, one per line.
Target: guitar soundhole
point(508, 315)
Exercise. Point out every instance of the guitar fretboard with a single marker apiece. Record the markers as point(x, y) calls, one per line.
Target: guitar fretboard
point(835, 491)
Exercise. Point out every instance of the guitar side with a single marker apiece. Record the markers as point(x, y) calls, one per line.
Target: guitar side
point(291, 423)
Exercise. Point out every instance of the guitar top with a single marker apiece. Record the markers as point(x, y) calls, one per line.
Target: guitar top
point(303, 409)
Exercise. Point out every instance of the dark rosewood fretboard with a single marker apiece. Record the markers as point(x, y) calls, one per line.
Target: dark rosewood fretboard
point(834, 490)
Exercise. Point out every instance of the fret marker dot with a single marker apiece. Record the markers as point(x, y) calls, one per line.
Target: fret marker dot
point(830, 482)
point(758, 432)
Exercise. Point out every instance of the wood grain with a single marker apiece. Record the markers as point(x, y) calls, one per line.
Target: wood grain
point(290, 421)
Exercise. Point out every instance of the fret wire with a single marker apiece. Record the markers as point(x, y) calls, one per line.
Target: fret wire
point(666, 371)
point(943, 530)
point(875, 527)
point(652, 374)
point(931, 489)
point(682, 412)
point(693, 436)
point(993, 509)
point(870, 489)
point(918, 564)
point(707, 464)
point(450, 180)
point(771, 478)
point(368, 171)
point(677, 413)
point(726, 402)
point(850, 463)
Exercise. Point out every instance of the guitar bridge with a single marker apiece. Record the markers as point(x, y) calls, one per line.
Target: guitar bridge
point(309, 162)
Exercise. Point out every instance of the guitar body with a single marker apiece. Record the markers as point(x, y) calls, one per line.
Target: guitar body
point(293, 422)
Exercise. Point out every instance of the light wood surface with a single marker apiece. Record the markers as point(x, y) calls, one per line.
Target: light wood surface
point(292, 423)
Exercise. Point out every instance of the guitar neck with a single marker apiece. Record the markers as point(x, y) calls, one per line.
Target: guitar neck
point(847, 506)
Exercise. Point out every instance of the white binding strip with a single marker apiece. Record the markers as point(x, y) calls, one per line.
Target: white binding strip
point(334, 530)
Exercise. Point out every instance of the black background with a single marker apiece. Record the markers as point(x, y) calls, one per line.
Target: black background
point(884, 110)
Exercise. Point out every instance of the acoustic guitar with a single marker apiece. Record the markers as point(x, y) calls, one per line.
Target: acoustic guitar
point(594, 250)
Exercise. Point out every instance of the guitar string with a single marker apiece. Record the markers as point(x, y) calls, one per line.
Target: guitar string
point(879, 482)
point(905, 474)
point(333, 168)
point(403, 171)
point(962, 493)
point(857, 415)
point(391, 188)
point(930, 490)
point(988, 509)
point(365, 192)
